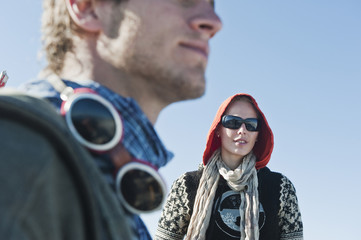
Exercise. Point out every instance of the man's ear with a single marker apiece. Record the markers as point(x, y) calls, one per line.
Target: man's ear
point(83, 14)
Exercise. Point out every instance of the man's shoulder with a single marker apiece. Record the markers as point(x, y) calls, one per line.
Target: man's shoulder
point(33, 133)
point(26, 107)
point(41, 163)
point(38, 87)
point(23, 120)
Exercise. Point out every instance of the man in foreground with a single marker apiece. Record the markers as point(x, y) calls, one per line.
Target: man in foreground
point(138, 55)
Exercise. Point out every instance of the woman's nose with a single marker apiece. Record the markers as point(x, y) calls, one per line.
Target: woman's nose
point(242, 129)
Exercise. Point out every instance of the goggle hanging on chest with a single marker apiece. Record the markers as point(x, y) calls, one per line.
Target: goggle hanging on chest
point(97, 125)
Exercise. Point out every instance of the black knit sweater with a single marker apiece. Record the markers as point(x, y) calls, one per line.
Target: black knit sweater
point(279, 216)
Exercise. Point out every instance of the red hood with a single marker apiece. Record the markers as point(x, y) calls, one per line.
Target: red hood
point(264, 145)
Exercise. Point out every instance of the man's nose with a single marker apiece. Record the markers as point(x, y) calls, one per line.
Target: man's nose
point(206, 20)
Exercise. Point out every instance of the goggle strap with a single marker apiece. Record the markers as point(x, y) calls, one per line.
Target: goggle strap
point(57, 83)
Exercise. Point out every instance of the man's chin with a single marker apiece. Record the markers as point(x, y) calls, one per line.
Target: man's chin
point(198, 94)
point(193, 93)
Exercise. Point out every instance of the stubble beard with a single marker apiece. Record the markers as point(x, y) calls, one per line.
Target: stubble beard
point(170, 84)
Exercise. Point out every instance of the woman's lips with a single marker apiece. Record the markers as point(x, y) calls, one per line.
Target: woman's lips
point(240, 141)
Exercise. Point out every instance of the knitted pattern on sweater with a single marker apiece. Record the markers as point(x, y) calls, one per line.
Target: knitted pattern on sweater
point(280, 217)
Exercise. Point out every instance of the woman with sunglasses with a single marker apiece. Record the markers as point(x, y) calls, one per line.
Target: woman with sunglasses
point(233, 195)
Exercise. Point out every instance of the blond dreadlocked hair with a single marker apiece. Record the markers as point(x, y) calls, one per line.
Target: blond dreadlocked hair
point(57, 32)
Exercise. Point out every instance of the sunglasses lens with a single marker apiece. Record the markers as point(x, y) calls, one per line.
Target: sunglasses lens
point(233, 122)
point(141, 190)
point(93, 121)
point(251, 125)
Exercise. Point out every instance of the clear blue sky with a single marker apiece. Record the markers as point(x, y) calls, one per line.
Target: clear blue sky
point(300, 59)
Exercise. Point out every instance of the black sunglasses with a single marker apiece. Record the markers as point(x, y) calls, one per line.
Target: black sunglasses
point(234, 122)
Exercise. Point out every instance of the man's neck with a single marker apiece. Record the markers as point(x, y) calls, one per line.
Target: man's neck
point(119, 82)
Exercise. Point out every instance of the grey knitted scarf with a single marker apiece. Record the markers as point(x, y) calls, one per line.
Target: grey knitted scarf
point(243, 180)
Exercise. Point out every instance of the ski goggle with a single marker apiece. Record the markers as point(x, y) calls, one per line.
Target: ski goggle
point(140, 187)
point(97, 125)
point(93, 120)
point(234, 122)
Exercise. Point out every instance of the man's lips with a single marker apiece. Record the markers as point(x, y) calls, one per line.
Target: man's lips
point(197, 46)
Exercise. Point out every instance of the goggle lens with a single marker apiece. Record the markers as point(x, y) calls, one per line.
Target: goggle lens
point(234, 122)
point(141, 188)
point(93, 121)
